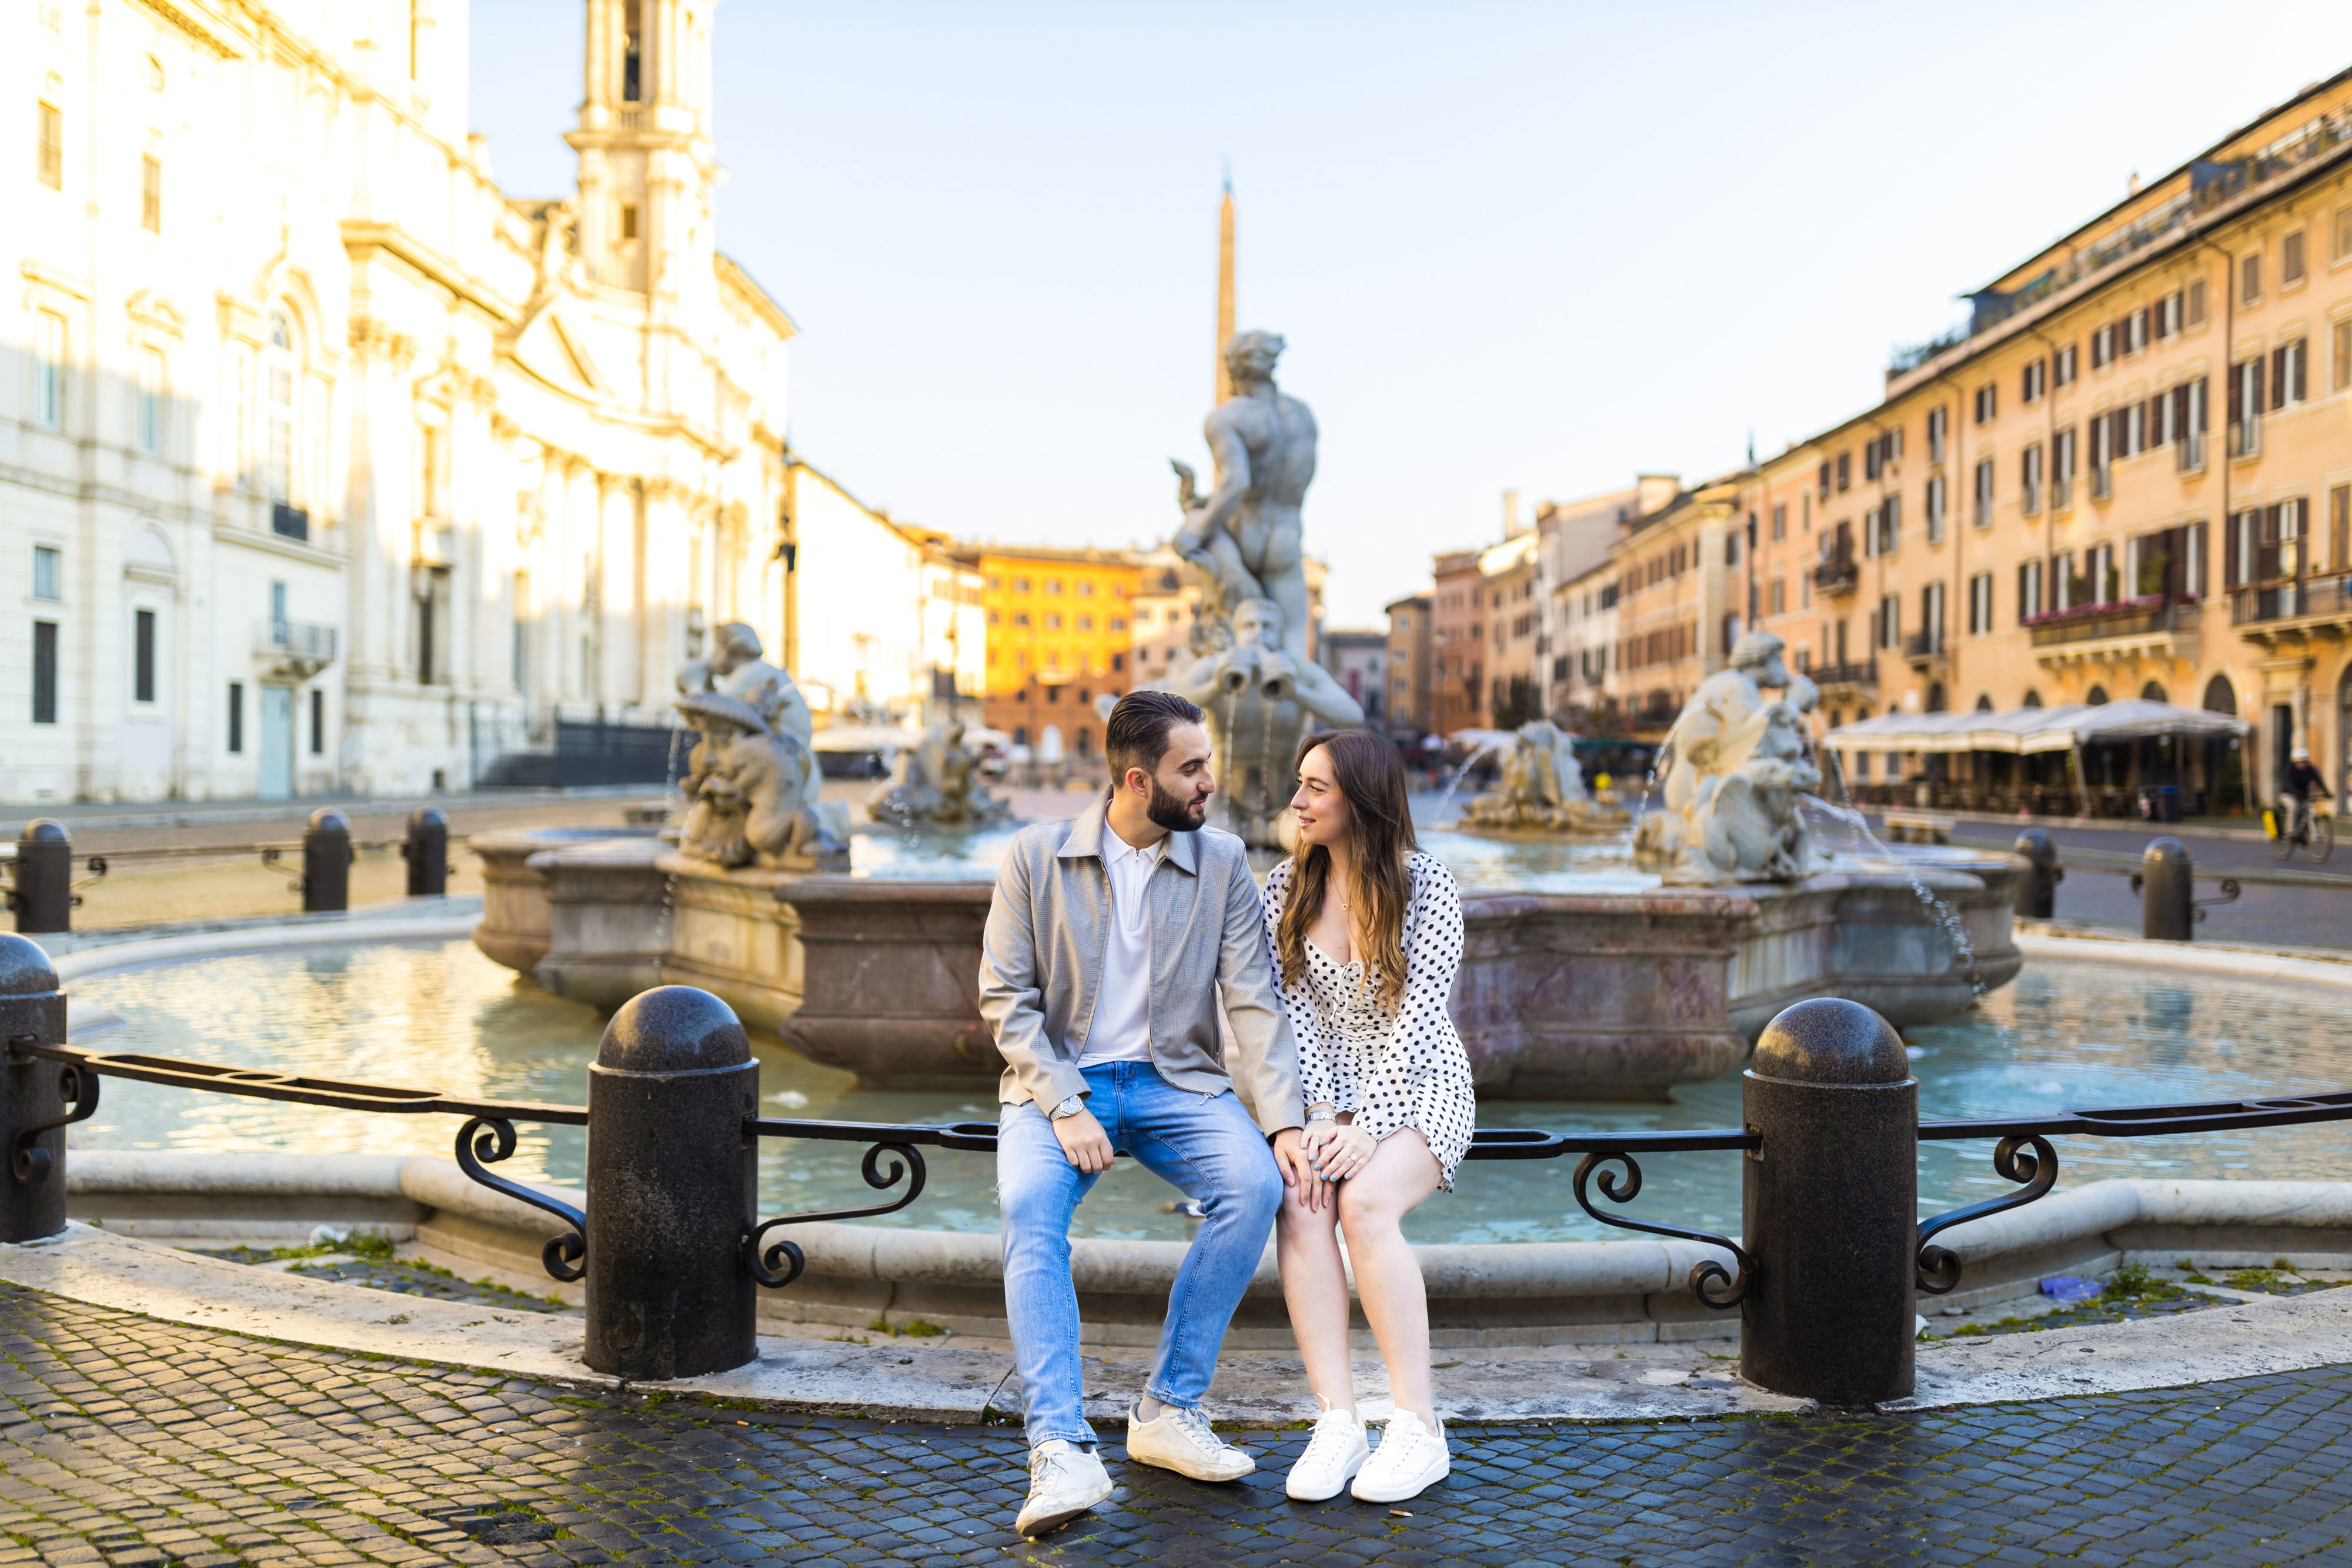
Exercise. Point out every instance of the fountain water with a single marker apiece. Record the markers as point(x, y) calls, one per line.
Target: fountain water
point(1483, 748)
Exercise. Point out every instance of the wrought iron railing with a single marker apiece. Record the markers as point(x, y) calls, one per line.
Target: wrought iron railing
point(2023, 1153)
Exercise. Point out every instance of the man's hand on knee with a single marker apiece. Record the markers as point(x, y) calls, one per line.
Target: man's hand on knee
point(1084, 1143)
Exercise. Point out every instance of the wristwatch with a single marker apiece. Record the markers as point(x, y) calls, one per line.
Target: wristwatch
point(1069, 1107)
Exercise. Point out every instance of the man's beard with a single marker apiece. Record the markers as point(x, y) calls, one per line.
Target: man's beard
point(1175, 813)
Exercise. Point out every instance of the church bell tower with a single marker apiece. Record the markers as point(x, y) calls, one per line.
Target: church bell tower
point(646, 163)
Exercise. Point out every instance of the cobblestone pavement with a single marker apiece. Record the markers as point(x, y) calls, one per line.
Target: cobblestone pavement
point(130, 1442)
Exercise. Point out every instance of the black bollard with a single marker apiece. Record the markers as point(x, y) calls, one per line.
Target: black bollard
point(427, 853)
point(327, 861)
point(671, 1188)
point(1831, 1206)
point(32, 1093)
point(2037, 896)
point(42, 896)
point(2166, 882)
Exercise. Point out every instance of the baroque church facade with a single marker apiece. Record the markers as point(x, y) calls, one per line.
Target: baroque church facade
point(325, 466)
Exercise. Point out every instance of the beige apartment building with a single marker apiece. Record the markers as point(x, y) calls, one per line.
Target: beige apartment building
point(1677, 617)
point(1410, 629)
point(1457, 644)
point(2129, 475)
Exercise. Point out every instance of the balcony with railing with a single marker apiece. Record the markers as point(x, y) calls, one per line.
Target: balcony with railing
point(2118, 629)
point(1836, 574)
point(2189, 453)
point(2294, 607)
point(290, 522)
point(1923, 649)
point(1861, 676)
point(299, 649)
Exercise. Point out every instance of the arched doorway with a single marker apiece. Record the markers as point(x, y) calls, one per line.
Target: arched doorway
point(1937, 700)
point(2032, 699)
point(2224, 760)
point(2096, 696)
point(1984, 702)
point(2154, 693)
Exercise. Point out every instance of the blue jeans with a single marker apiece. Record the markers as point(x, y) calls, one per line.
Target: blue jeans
point(1210, 1150)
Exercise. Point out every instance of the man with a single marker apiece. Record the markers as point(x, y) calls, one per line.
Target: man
point(1246, 537)
point(1108, 943)
point(2300, 782)
point(1267, 700)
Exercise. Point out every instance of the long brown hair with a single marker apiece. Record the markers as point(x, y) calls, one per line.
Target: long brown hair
point(1379, 833)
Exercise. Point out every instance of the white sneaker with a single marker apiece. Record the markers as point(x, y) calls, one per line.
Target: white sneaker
point(1411, 1458)
point(1064, 1480)
point(1334, 1454)
point(1179, 1439)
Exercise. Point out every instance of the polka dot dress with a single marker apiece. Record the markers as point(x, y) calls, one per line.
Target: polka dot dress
point(1393, 1067)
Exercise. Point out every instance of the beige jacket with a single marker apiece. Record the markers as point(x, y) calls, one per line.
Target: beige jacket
point(1042, 961)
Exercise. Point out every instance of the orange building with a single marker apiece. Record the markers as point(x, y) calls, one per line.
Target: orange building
point(1060, 633)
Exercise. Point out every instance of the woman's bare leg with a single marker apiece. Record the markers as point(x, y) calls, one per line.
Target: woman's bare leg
point(1373, 1203)
point(1314, 1288)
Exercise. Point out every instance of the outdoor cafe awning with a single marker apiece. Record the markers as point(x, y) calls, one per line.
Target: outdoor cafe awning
point(2032, 729)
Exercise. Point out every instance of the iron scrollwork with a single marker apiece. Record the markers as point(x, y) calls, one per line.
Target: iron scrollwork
point(77, 1085)
point(777, 1264)
point(2027, 1159)
point(1710, 1282)
point(488, 1139)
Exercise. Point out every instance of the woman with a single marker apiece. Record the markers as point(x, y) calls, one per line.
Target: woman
point(1366, 936)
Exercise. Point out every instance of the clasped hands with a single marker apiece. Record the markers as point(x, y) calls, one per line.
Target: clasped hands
point(1333, 1151)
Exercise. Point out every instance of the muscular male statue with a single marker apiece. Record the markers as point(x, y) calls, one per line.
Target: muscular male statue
point(1245, 536)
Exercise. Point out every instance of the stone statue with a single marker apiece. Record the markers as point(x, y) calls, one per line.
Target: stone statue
point(1736, 768)
point(939, 786)
point(1260, 700)
point(737, 669)
point(1542, 788)
point(1244, 536)
point(750, 801)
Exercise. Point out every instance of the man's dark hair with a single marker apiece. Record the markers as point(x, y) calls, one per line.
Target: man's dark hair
point(1136, 735)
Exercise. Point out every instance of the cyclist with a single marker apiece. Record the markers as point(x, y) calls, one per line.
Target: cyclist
point(2300, 782)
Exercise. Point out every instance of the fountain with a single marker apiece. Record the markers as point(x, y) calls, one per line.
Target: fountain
point(939, 786)
point(1542, 791)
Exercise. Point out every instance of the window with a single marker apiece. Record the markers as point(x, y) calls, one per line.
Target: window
point(2291, 260)
point(2342, 366)
point(1021, 585)
point(2339, 527)
point(2135, 330)
point(1825, 481)
point(2250, 278)
point(45, 561)
point(632, 55)
point(628, 221)
point(237, 715)
point(151, 194)
point(49, 369)
point(1086, 590)
point(1844, 471)
point(1935, 509)
point(1053, 585)
point(2032, 380)
point(1780, 509)
point(1980, 604)
point(1778, 598)
point(2245, 404)
point(2061, 367)
point(278, 368)
point(142, 657)
point(1890, 621)
point(2193, 307)
point(45, 672)
point(1987, 402)
point(2028, 590)
point(1118, 623)
point(2029, 475)
point(1052, 622)
point(1984, 492)
point(2289, 384)
point(1936, 419)
point(318, 721)
point(2062, 462)
point(151, 400)
point(1021, 618)
point(49, 145)
point(2103, 346)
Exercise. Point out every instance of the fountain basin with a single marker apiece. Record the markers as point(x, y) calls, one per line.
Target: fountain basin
point(516, 918)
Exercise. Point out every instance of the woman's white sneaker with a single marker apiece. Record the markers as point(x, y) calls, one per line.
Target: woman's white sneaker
point(1334, 1454)
point(1064, 1480)
point(1411, 1458)
point(1180, 1439)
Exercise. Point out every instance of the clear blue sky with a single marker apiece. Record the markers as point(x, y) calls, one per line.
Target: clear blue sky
point(1526, 245)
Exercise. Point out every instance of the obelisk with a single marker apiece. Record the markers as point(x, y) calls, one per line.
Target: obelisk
point(1225, 288)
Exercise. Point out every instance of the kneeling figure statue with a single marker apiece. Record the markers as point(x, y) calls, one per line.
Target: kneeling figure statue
point(1542, 789)
point(750, 799)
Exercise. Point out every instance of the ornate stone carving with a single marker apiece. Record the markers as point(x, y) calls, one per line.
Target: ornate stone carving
point(1736, 768)
point(1244, 537)
point(1542, 789)
point(747, 785)
point(940, 786)
point(1260, 700)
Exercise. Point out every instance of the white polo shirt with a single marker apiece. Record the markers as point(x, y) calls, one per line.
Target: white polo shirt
point(1121, 1030)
